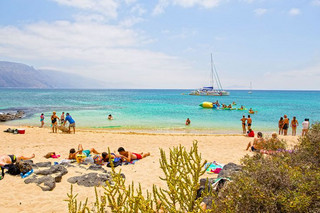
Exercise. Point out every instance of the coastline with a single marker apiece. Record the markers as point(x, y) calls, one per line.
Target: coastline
point(222, 148)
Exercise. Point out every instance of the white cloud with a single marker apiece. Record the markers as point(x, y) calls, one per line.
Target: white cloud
point(162, 4)
point(294, 12)
point(306, 78)
point(107, 8)
point(316, 2)
point(129, 22)
point(159, 9)
point(96, 50)
point(260, 11)
point(138, 9)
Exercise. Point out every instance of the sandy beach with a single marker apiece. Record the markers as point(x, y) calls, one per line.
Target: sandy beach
point(20, 197)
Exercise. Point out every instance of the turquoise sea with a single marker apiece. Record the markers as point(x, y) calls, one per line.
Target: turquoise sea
point(160, 110)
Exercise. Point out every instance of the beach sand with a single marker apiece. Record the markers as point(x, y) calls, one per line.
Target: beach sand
point(16, 196)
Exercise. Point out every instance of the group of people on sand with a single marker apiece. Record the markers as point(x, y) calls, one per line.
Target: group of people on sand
point(126, 156)
point(284, 124)
point(246, 122)
point(63, 120)
point(258, 143)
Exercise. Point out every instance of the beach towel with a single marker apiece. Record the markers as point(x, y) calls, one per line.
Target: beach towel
point(213, 167)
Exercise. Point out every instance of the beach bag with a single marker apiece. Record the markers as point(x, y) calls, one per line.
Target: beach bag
point(97, 159)
point(13, 169)
point(24, 167)
point(116, 162)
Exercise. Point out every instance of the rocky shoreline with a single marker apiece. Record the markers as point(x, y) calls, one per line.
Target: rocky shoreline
point(8, 116)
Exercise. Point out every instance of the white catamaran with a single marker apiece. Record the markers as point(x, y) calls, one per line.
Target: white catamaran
point(211, 91)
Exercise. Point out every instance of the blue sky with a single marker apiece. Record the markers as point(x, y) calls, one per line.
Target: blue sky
point(167, 43)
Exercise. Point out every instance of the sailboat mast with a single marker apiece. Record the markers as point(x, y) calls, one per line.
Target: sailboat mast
point(211, 72)
point(216, 75)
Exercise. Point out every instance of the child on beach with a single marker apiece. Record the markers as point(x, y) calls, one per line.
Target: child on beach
point(62, 118)
point(305, 126)
point(294, 124)
point(73, 153)
point(250, 133)
point(42, 120)
point(129, 156)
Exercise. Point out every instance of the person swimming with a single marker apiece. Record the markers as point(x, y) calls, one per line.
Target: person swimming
point(188, 121)
point(110, 117)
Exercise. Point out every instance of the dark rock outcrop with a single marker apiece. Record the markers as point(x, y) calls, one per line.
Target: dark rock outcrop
point(91, 179)
point(43, 164)
point(11, 115)
point(48, 182)
point(53, 169)
point(228, 170)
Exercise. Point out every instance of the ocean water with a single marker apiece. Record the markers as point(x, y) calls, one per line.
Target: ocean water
point(160, 110)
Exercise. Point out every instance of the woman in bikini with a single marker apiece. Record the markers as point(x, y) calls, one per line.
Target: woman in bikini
point(10, 159)
point(280, 124)
point(294, 124)
point(54, 122)
point(243, 120)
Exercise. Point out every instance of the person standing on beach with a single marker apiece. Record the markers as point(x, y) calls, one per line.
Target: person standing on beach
point(54, 122)
point(243, 120)
point(249, 122)
point(62, 118)
point(305, 126)
point(285, 125)
point(280, 125)
point(42, 120)
point(294, 124)
point(188, 122)
point(72, 123)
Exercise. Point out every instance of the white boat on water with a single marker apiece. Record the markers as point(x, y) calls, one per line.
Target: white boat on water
point(250, 91)
point(212, 91)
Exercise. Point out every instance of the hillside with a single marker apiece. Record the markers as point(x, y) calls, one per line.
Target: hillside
point(16, 75)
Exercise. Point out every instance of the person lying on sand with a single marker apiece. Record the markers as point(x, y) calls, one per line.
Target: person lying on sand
point(10, 159)
point(257, 143)
point(73, 153)
point(129, 156)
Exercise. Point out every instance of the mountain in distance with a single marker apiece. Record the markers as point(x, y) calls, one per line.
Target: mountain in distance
point(17, 75)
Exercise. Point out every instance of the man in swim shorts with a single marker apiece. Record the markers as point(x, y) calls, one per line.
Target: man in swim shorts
point(129, 156)
point(72, 123)
point(73, 153)
point(249, 122)
point(10, 159)
point(285, 125)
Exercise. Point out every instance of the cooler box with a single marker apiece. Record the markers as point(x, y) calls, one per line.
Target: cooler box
point(21, 131)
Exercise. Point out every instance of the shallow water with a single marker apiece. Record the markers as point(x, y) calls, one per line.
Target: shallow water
point(160, 110)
